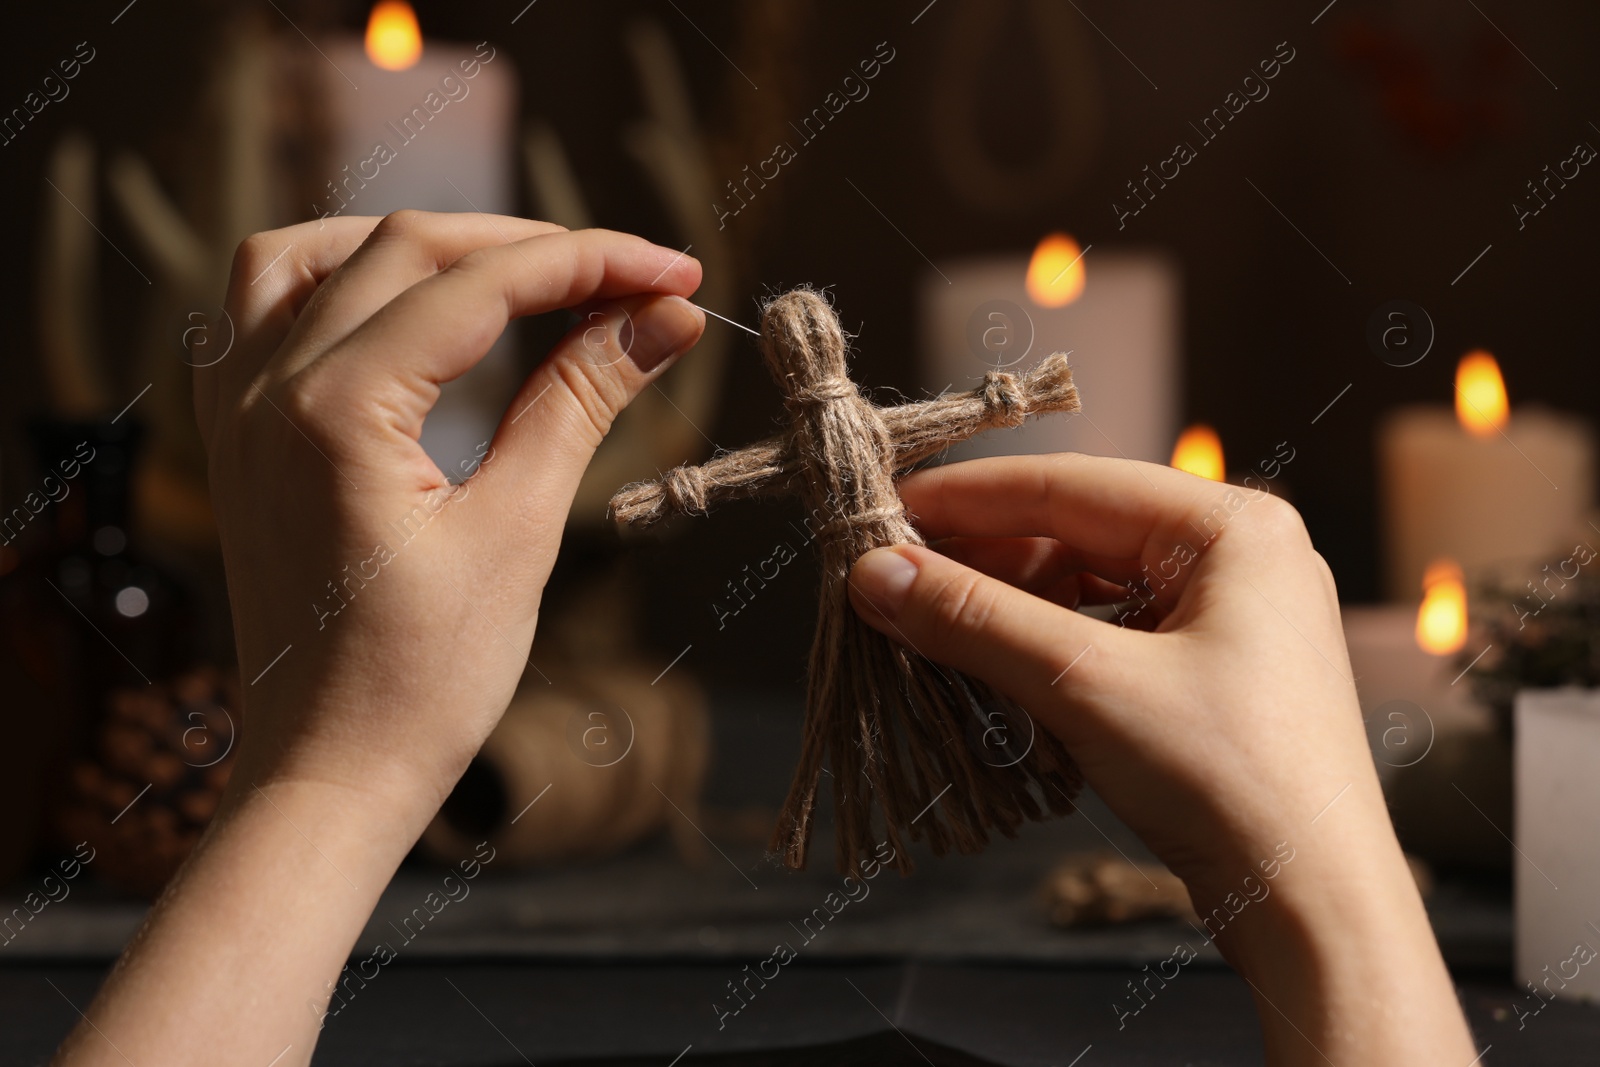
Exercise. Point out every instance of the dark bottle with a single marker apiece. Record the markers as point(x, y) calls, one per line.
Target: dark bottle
point(82, 613)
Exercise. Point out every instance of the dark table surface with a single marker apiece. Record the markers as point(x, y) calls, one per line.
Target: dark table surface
point(505, 1013)
point(624, 961)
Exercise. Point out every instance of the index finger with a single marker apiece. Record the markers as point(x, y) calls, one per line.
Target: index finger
point(1113, 508)
point(440, 327)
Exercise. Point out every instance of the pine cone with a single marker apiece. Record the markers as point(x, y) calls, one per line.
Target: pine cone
point(160, 761)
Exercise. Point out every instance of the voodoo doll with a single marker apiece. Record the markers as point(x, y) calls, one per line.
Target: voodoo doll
point(944, 757)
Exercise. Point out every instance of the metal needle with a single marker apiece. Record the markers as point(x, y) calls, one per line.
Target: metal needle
point(727, 320)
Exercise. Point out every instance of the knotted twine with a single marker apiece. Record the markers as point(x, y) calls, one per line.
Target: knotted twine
point(941, 756)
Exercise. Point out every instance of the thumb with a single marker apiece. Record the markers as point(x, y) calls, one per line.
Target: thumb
point(565, 408)
point(1021, 645)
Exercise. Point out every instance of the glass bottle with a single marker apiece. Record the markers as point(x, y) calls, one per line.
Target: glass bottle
point(82, 613)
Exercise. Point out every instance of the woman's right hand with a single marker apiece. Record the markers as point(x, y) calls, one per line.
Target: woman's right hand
point(1217, 717)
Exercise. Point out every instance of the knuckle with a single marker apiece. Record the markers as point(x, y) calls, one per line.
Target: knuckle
point(308, 400)
point(1277, 520)
point(1261, 520)
point(302, 402)
point(477, 261)
point(959, 606)
point(254, 253)
point(398, 225)
point(596, 394)
point(1326, 573)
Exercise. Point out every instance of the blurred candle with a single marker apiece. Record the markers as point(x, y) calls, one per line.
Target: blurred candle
point(1116, 312)
point(416, 123)
point(1485, 486)
point(419, 123)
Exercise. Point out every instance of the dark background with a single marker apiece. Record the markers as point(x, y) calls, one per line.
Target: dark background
point(1396, 141)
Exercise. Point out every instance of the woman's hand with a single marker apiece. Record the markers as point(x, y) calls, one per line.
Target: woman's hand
point(1219, 720)
point(385, 614)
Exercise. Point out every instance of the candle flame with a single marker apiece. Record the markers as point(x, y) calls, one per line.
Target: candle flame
point(1442, 619)
point(1199, 451)
point(394, 40)
point(1481, 404)
point(1055, 273)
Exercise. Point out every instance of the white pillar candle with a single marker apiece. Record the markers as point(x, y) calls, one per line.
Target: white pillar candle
point(1558, 861)
point(436, 136)
point(1504, 499)
point(1122, 332)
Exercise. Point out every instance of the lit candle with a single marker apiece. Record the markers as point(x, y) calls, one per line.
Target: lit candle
point(416, 125)
point(429, 125)
point(1402, 662)
point(1485, 487)
point(1116, 312)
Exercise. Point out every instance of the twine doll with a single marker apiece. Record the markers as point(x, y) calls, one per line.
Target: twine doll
point(941, 756)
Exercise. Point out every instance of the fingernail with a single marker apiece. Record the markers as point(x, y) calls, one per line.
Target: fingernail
point(663, 328)
point(884, 577)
